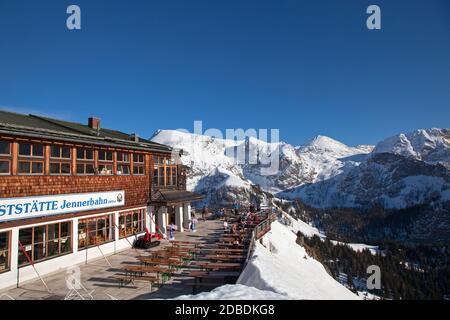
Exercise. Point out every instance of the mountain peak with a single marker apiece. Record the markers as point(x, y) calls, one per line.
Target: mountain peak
point(422, 144)
point(321, 142)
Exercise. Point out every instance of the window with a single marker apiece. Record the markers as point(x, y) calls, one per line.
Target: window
point(138, 164)
point(85, 161)
point(4, 251)
point(131, 223)
point(31, 159)
point(105, 166)
point(164, 172)
point(105, 156)
point(60, 160)
point(5, 158)
point(174, 176)
point(95, 231)
point(123, 163)
point(45, 242)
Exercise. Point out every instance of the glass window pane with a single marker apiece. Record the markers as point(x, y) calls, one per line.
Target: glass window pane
point(65, 168)
point(89, 169)
point(53, 231)
point(39, 251)
point(53, 247)
point(65, 229)
point(4, 167)
point(38, 150)
point(5, 147)
point(80, 168)
point(65, 152)
point(82, 234)
point(65, 245)
point(26, 236)
point(4, 251)
point(89, 154)
point(24, 167)
point(24, 149)
point(168, 179)
point(101, 155)
point(4, 240)
point(55, 151)
point(109, 156)
point(80, 153)
point(37, 167)
point(39, 234)
point(54, 168)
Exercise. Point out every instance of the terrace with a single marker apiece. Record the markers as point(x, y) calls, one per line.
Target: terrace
point(193, 262)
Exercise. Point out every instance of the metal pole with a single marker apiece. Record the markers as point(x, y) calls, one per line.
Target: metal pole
point(32, 264)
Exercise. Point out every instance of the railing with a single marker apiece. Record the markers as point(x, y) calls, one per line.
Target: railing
point(258, 232)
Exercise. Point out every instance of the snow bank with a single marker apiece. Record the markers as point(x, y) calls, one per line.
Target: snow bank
point(359, 247)
point(283, 266)
point(234, 292)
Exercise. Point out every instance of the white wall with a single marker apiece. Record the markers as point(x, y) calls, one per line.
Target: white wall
point(9, 278)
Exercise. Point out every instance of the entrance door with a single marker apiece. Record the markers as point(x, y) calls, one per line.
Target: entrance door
point(171, 215)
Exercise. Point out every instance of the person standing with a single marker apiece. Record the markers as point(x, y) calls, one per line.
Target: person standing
point(171, 232)
point(204, 213)
point(193, 223)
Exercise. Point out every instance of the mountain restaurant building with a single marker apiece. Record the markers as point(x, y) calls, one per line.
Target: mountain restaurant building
point(70, 193)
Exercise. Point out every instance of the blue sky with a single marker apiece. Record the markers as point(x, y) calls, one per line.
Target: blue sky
point(304, 67)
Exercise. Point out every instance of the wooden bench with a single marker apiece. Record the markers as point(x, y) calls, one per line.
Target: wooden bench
point(122, 279)
point(151, 279)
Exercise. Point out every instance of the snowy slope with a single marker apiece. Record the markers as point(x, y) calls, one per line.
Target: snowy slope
point(284, 267)
point(297, 225)
point(234, 292)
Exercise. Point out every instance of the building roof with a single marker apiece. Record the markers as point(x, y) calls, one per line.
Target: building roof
point(174, 196)
point(43, 127)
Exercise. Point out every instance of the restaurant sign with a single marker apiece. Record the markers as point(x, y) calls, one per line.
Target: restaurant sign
point(33, 207)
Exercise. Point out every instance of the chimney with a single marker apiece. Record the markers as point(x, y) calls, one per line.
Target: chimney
point(94, 123)
point(135, 137)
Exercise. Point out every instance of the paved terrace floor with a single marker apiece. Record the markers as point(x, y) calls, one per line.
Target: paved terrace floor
point(95, 276)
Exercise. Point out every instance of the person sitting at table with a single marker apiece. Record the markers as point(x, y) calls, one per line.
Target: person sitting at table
point(225, 226)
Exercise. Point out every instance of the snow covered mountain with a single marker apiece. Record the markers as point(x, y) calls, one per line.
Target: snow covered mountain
point(385, 179)
point(432, 145)
point(217, 173)
point(401, 171)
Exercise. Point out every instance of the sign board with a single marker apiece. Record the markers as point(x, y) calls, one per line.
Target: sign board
point(33, 207)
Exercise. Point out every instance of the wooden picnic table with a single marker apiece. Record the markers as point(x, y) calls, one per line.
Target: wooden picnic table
point(184, 243)
point(171, 262)
point(182, 257)
point(223, 250)
point(216, 265)
point(180, 249)
point(133, 271)
point(218, 274)
point(231, 246)
point(223, 257)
